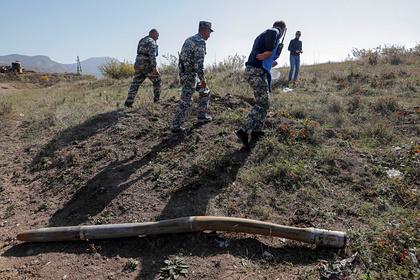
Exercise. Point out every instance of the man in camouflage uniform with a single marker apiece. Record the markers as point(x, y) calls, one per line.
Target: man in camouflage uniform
point(191, 71)
point(145, 67)
point(265, 51)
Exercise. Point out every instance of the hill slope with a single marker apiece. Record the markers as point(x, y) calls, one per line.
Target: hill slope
point(71, 155)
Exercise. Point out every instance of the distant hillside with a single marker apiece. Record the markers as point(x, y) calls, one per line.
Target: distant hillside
point(42, 63)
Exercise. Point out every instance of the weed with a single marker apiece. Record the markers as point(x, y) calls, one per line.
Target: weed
point(10, 211)
point(174, 269)
point(378, 133)
point(335, 105)
point(231, 63)
point(43, 207)
point(131, 265)
point(386, 105)
point(354, 103)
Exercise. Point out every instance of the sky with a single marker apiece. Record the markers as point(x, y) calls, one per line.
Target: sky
point(330, 29)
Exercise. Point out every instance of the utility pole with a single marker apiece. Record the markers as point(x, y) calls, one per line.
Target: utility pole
point(79, 66)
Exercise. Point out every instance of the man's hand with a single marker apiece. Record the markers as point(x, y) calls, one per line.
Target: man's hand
point(203, 83)
point(275, 63)
point(264, 55)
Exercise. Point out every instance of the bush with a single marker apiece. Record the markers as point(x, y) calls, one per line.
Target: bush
point(371, 55)
point(386, 105)
point(171, 65)
point(416, 50)
point(335, 105)
point(393, 54)
point(380, 133)
point(117, 70)
point(44, 78)
point(231, 63)
point(355, 103)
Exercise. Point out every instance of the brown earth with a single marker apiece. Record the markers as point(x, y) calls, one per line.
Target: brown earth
point(109, 170)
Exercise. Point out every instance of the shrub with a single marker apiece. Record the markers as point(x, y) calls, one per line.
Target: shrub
point(117, 70)
point(231, 63)
point(380, 133)
point(170, 67)
point(354, 103)
point(335, 105)
point(44, 78)
point(416, 50)
point(393, 54)
point(386, 105)
point(371, 55)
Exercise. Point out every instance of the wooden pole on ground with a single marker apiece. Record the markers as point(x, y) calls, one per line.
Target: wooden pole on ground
point(320, 237)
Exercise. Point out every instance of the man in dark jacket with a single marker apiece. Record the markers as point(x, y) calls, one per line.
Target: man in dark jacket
point(265, 51)
point(295, 48)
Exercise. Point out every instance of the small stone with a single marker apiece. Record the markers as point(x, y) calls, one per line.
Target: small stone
point(268, 256)
point(413, 258)
point(393, 173)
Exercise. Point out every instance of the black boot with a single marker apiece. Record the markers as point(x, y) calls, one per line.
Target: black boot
point(257, 135)
point(243, 136)
point(128, 103)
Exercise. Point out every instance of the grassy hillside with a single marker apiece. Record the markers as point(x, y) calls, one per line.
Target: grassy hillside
point(341, 153)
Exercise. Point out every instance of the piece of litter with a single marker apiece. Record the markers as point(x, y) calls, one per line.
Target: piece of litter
point(274, 74)
point(287, 90)
point(393, 173)
point(21, 115)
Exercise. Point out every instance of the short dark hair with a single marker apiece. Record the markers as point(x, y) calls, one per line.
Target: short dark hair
point(154, 30)
point(298, 32)
point(279, 24)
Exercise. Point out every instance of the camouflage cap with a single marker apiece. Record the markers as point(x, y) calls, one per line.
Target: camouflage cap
point(205, 24)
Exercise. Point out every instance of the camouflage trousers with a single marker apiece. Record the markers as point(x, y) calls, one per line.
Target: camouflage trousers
point(257, 78)
point(189, 86)
point(138, 79)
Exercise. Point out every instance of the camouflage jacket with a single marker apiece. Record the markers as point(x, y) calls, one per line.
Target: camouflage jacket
point(191, 58)
point(147, 51)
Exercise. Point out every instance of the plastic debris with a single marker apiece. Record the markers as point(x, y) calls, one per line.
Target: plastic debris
point(393, 173)
point(274, 74)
